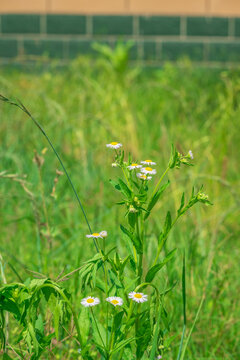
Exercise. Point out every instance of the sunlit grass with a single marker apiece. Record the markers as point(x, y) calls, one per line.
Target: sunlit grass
point(82, 108)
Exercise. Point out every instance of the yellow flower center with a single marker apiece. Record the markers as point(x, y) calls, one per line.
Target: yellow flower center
point(114, 302)
point(138, 296)
point(134, 165)
point(148, 169)
point(95, 234)
point(90, 301)
point(114, 143)
point(144, 176)
point(149, 161)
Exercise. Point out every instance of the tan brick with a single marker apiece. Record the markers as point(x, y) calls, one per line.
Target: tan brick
point(225, 7)
point(171, 7)
point(89, 6)
point(23, 6)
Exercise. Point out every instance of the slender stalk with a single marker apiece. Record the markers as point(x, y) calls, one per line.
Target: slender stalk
point(23, 108)
point(6, 319)
point(140, 259)
point(97, 328)
point(159, 182)
point(126, 328)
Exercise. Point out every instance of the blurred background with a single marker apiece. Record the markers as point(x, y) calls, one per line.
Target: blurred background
point(204, 30)
point(147, 74)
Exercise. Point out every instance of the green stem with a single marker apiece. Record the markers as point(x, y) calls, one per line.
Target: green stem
point(126, 327)
point(126, 178)
point(160, 246)
point(159, 182)
point(140, 255)
point(97, 328)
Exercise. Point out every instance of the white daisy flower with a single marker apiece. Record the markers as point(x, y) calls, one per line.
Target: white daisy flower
point(114, 145)
point(159, 357)
point(97, 235)
point(143, 176)
point(90, 301)
point(148, 170)
point(138, 297)
point(148, 162)
point(134, 166)
point(115, 300)
point(190, 154)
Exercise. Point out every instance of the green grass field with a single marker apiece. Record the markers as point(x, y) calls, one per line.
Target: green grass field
point(84, 106)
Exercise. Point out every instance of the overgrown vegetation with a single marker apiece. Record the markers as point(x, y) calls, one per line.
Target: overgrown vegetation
point(82, 108)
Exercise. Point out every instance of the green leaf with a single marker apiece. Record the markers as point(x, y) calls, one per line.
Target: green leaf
point(154, 269)
point(39, 325)
point(168, 223)
point(143, 333)
point(125, 189)
point(135, 239)
point(84, 323)
point(182, 204)
point(155, 337)
point(122, 344)
point(132, 218)
point(173, 157)
point(115, 184)
point(155, 199)
point(118, 320)
point(33, 337)
point(57, 312)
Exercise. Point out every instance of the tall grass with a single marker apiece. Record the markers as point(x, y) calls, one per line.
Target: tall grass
point(84, 106)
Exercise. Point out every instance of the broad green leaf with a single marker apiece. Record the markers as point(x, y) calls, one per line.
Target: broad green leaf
point(125, 189)
point(84, 323)
point(155, 199)
point(99, 338)
point(115, 184)
point(143, 333)
point(39, 325)
point(118, 320)
point(154, 270)
point(135, 239)
point(132, 218)
point(57, 312)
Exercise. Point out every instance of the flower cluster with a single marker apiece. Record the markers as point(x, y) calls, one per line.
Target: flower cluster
point(115, 300)
point(145, 166)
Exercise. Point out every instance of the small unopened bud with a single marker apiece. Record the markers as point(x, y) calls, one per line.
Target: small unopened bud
point(132, 209)
point(191, 154)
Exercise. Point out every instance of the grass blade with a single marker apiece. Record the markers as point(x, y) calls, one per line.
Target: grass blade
point(184, 308)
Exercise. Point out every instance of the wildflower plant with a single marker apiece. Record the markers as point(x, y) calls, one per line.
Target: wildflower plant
point(121, 313)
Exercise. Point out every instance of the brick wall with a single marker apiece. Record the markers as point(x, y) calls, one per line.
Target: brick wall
point(156, 38)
